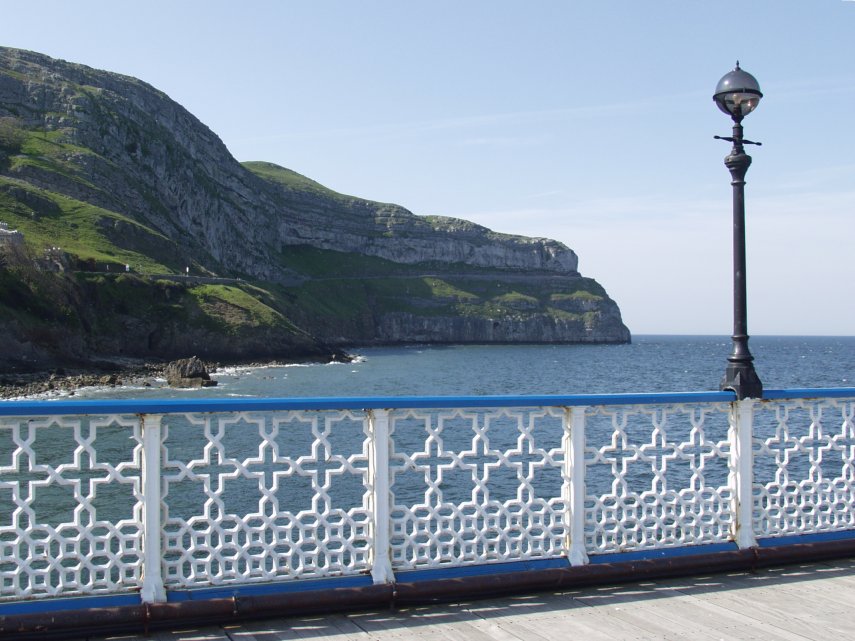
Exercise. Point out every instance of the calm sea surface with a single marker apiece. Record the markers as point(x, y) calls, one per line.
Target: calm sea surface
point(649, 364)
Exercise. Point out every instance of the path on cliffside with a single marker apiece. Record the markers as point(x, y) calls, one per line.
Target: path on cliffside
point(503, 276)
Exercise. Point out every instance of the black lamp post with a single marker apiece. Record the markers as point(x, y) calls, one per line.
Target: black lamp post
point(737, 94)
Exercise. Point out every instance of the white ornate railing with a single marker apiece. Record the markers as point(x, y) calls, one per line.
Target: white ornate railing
point(804, 454)
point(156, 498)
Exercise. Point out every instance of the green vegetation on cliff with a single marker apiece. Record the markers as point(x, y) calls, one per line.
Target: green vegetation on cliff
point(77, 315)
point(292, 180)
point(143, 236)
point(84, 231)
point(336, 303)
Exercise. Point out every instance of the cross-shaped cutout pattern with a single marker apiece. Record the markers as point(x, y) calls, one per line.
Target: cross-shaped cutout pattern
point(657, 477)
point(259, 502)
point(804, 457)
point(261, 496)
point(475, 487)
point(71, 502)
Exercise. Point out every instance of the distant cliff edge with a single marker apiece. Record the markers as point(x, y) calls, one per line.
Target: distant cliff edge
point(142, 236)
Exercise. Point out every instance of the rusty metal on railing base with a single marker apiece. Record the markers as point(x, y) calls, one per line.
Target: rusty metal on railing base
point(218, 611)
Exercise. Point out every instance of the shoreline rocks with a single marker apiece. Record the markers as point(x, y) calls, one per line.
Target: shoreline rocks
point(61, 380)
point(28, 384)
point(188, 372)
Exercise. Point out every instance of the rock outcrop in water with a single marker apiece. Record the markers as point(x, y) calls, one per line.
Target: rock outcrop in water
point(188, 372)
point(124, 179)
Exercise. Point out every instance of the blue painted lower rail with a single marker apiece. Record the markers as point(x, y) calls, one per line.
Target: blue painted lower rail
point(125, 515)
point(115, 614)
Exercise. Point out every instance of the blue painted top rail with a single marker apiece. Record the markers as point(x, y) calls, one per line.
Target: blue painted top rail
point(170, 406)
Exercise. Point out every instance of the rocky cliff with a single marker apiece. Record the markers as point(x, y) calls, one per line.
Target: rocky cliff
point(119, 174)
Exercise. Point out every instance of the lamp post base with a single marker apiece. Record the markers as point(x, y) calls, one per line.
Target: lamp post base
point(741, 378)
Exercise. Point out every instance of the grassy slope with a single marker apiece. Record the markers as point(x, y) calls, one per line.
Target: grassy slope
point(292, 180)
point(42, 300)
point(345, 298)
point(51, 219)
point(297, 182)
point(344, 285)
point(76, 227)
point(341, 287)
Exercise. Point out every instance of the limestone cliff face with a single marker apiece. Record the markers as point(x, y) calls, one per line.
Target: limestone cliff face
point(168, 188)
point(405, 327)
point(167, 169)
point(394, 233)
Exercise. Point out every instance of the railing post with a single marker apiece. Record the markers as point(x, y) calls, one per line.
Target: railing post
point(741, 472)
point(378, 472)
point(574, 483)
point(152, 588)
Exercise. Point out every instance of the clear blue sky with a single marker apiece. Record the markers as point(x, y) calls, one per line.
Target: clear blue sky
point(588, 122)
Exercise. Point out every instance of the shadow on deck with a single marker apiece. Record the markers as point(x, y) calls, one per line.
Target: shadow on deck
point(806, 601)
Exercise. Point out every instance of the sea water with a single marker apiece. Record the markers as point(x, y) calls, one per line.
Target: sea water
point(648, 364)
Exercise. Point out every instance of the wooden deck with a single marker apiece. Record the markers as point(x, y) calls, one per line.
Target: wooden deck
point(813, 601)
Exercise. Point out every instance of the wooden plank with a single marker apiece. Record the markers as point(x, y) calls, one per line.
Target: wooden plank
point(740, 622)
point(208, 633)
point(334, 627)
point(842, 570)
point(605, 621)
point(827, 592)
point(814, 575)
point(661, 608)
point(421, 624)
point(273, 630)
point(437, 622)
point(639, 620)
point(557, 602)
point(809, 587)
point(500, 632)
point(773, 609)
point(559, 612)
point(571, 628)
point(548, 616)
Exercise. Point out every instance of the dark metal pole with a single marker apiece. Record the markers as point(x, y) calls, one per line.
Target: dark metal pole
point(740, 375)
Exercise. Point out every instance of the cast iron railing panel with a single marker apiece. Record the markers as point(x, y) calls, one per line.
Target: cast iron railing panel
point(70, 505)
point(142, 497)
point(263, 496)
point(476, 486)
point(804, 462)
point(656, 477)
